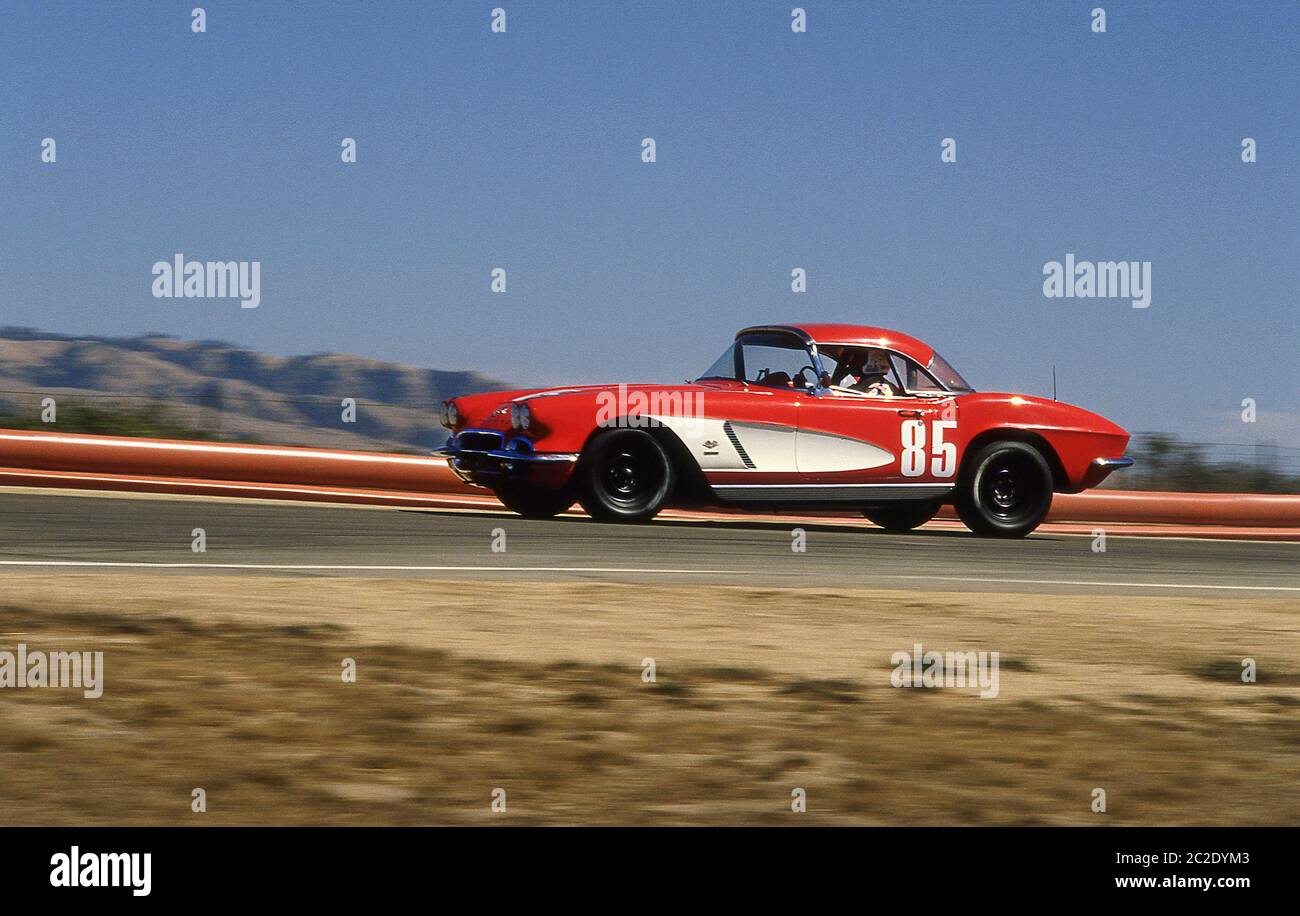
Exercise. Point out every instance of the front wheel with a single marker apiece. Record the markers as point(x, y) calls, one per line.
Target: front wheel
point(1006, 492)
point(904, 517)
point(534, 503)
point(624, 476)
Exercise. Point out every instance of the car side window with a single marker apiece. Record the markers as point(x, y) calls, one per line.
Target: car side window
point(840, 364)
point(915, 379)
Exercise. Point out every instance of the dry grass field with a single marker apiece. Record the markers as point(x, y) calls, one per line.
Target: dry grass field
point(233, 684)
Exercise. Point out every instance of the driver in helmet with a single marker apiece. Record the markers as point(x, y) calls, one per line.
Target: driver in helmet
point(870, 368)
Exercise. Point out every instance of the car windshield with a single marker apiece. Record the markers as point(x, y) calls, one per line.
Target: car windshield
point(774, 360)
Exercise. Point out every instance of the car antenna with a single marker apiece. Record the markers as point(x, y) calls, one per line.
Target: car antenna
point(1053, 381)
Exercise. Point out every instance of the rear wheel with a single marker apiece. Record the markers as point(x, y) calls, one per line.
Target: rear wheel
point(534, 503)
point(625, 476)
point(903, 517)
point(1006, 490)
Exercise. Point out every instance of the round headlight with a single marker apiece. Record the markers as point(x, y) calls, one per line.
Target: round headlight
point(521, 416)
point(450, 416)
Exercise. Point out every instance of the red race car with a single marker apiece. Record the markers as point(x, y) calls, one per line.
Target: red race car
point(800, 415)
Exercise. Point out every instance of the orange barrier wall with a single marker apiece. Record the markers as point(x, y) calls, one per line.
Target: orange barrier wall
point(1244, 509)
point(338, 471)
point(222, 461)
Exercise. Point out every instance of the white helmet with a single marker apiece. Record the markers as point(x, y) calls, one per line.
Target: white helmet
point(876, 364)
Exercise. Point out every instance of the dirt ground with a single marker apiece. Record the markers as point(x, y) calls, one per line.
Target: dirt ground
point(233, 685)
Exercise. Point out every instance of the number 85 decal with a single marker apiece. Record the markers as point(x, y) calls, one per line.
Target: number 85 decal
point(944, 463)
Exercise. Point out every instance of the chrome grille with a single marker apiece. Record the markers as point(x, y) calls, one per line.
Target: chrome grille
point(477, 440)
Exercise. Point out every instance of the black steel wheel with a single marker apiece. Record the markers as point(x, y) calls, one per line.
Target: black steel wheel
point(532, 502)
point(625, 475)
point(905, 516)
point(1006, 490)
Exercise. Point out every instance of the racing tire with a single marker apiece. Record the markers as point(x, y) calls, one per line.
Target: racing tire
point(905, 517)
point(534, 503)
point(1005, 491)
point(625, 475)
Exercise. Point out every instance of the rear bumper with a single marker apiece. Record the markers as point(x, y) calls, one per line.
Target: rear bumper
point(1101, 468)
point(484, 458)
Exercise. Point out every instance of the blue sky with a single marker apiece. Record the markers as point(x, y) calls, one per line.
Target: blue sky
point(775, 150)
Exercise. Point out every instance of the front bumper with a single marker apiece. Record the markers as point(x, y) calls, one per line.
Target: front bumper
point(484, 458)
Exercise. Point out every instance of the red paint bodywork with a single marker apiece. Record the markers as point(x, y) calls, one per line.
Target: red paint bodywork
point(564, 419)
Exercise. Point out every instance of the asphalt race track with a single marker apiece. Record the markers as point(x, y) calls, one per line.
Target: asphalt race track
point(78, 533)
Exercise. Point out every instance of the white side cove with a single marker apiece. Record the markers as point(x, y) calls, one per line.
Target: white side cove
point(720, 445)
point(822, 453)
point(723, 445)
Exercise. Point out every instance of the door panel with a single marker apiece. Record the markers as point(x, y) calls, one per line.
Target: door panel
point(845, 439)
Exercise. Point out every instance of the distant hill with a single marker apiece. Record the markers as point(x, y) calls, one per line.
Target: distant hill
point(222, 391)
